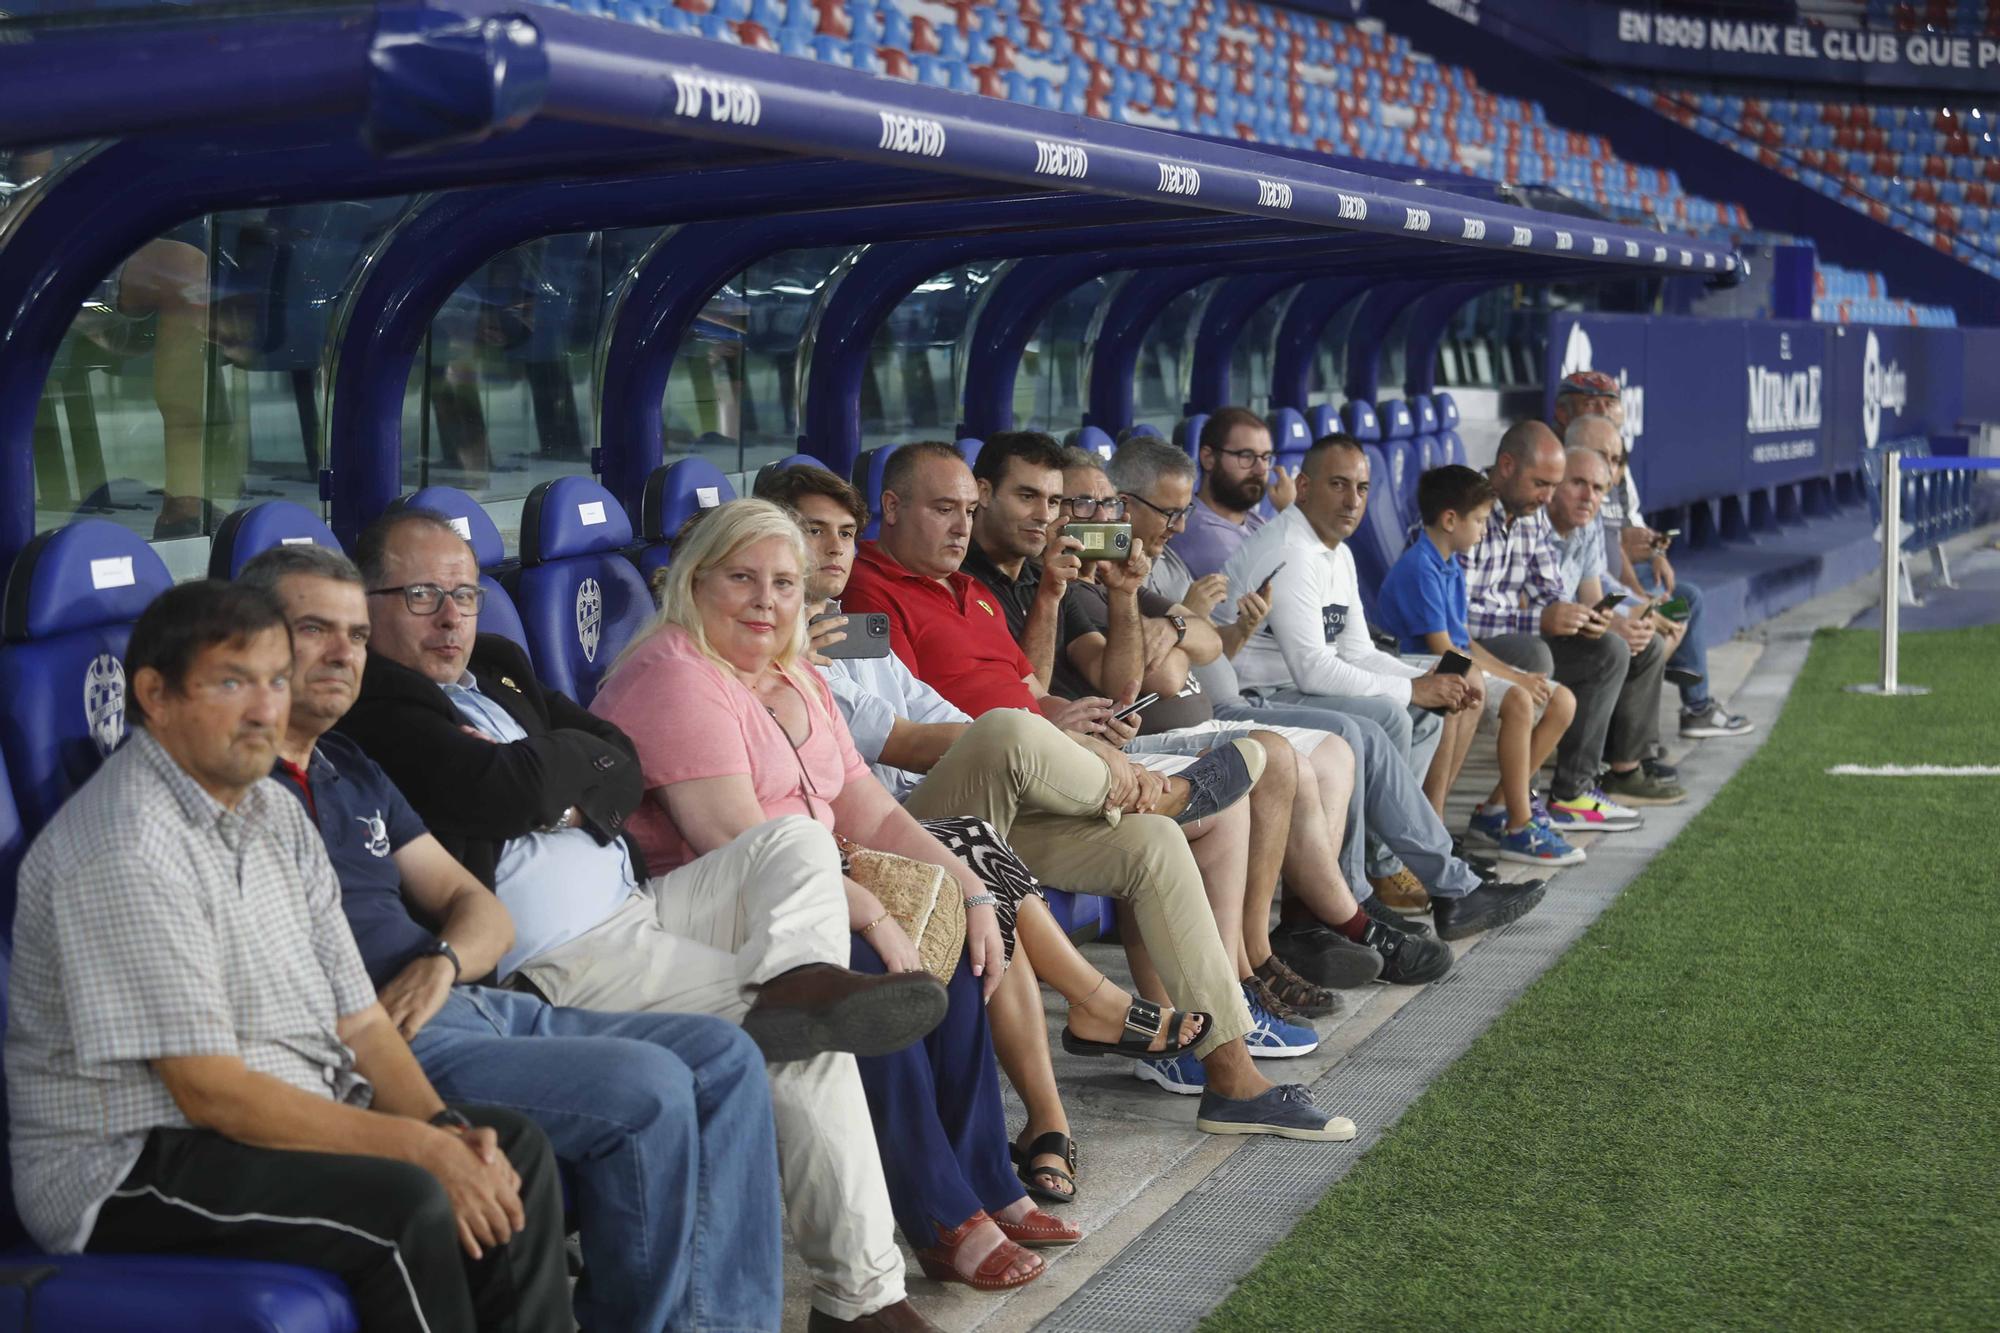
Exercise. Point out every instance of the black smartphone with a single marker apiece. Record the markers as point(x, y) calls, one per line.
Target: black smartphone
point(1101, 541)
point(1271, 577)
point(1454, 664)
point(1661, 540)
point(1143, 701)
point(867, 635)
point(1608, 602)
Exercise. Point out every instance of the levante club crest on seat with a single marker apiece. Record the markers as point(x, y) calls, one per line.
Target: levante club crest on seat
point(589, 617)
point(104, 701)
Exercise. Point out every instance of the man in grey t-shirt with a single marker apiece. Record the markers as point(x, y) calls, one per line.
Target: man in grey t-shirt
point(196, 1060)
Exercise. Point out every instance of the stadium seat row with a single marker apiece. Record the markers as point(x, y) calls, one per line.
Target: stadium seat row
point(1937, 506)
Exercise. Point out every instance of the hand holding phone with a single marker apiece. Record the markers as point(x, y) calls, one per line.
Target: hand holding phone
point(1142, 702)
point(1454, 664)
point(1608, 603)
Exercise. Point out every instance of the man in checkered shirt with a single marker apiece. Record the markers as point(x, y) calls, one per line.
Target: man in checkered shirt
point(196, 1059)
point(1520, 611)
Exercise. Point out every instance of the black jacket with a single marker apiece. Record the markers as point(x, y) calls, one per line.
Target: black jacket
point(475, 795)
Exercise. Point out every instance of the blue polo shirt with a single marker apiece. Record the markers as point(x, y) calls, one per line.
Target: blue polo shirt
point(364, 821)
point(1423, 594)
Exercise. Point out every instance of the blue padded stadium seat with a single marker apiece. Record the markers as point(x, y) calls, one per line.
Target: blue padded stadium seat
point(1360, 420)
point(968, 449)
point(790, 461)
point(1289, 432)
point(1142, 428)
point(1188, 434)
point(71, 598)
point(248, 533)
point(1431, 452)
point(1424, 407)
point(1380, 539)
point(674, 494)
point(1399, 451)
point(867, 478)
point(471, 521)
point(1322, 421)
point(1398, 422)
point(1094, 438)
point(581, 600)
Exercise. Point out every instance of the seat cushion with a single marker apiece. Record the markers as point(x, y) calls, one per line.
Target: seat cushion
point(571, 516)
point(1361, 421)
point(467, 516)
point(247, 533)
point(579, 614)
point(180, 1294)
point(674, 494)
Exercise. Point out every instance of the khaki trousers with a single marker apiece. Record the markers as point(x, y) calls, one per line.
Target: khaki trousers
point(690, 941)
point(1045, 794)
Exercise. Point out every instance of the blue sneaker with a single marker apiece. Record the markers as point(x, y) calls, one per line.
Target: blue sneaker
point(1182, 1074)
point(1274, 1038)
point(1488, 826)
point(1533, 845)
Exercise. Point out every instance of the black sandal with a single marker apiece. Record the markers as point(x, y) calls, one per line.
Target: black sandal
point(1145, 1024)
point(1052, 1142)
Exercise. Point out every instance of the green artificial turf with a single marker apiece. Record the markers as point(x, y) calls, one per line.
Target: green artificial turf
point(1763, 1091)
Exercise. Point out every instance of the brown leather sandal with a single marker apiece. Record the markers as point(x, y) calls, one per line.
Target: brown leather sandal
point(992, 1273)
point(1039, 1230)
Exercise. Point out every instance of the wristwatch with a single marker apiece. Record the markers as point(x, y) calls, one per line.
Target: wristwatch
point(1180, 628)
point(450, 1119)
point(562, 821)
point(443, 949)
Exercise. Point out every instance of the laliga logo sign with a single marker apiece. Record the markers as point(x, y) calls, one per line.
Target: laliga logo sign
point(1883, 388)
point(1577, 356)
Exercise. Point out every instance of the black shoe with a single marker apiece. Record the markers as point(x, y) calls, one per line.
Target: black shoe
point(1218, 780)
point(1658, 768)
point(1324, 956)
point(1491, 905)
point(1383, 914)
point(1408, 960)
point(1484, 866)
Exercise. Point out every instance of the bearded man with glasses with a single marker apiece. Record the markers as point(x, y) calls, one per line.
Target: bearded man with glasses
point(1238, 469)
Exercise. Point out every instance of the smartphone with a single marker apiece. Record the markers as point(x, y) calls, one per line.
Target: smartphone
point(1454, 664)
point(1272, 577)
point(1675, 608)
point(1101, 541)
point(867, 635)
point(1661, 540)
point(1143, 701)
point(1606, 603)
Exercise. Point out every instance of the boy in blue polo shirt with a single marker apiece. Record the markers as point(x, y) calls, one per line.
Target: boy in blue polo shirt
point(1423, 602)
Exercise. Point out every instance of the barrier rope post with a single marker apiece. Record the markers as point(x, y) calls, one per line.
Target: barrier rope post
point(1892, 578)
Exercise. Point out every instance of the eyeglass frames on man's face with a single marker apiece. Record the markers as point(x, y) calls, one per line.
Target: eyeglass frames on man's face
point(1172, 516)
point(1089, 506)
point(1249, 457)
point(424, 599)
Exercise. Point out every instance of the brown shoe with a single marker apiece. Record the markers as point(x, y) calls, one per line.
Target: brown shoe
point(902, 1317)
point(819, 1007)
point(1402, 892)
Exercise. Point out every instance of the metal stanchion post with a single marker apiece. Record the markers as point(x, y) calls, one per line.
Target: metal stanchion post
point(1892, 578)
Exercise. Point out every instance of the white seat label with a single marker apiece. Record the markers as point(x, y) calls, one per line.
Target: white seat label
point(461, 526)
point(114, 572)
point(591, 512)
point(295, 541)
point(707, 497)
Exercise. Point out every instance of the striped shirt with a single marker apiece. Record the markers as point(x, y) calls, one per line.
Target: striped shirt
point(155, 923)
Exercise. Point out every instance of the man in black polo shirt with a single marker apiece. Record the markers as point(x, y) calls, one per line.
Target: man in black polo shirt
point(665, 1119)
point(1108, 634)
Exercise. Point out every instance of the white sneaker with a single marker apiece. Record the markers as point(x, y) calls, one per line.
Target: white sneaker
point(1715, 720)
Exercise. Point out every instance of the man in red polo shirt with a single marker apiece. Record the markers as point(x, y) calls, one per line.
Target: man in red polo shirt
point(948, 631)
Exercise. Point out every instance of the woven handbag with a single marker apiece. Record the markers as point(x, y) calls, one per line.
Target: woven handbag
point(923, 898)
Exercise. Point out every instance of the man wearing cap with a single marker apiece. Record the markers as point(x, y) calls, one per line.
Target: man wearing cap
point(1629, 543)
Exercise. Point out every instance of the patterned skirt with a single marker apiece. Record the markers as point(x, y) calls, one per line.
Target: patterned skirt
point(974, 842)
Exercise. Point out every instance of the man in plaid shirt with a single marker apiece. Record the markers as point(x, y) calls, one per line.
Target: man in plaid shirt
point(1520, 612)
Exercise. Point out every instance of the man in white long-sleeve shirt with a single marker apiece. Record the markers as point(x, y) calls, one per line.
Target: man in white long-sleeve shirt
point(1314, 646)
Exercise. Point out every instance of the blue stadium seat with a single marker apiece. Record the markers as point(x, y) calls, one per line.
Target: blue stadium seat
point(71, 598)
point(1360, 420)
point(1322, 421)
point(1424, 408)
point(248, 533)
point(1141, 429)
point(581, 600)
point(1188, 434)
point(1380, 539)
point(1289, 433)
point(867, 478)
point(472, 522)
point(1094, 438)
point(674, 494)
point(1399, 451)
point(790, 461)
point(968, 449)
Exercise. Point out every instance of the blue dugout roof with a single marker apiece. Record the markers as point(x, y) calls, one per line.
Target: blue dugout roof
point(570, 122)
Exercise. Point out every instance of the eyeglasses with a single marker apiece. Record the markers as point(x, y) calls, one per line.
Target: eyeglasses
point(1172, 516)
point(424, 599)
point(1089, 506)
point(1248, 457)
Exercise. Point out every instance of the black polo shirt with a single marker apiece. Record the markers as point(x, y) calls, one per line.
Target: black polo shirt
point(364, 822)
point(1016, 596)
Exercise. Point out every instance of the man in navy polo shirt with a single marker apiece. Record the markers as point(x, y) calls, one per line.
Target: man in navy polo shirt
point(665, 1119)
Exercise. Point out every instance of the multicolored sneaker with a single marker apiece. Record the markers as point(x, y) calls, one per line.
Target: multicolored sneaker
point(1533, 845)
point(1591, 811)
point(1273, 1038)
point(1182, 1074)
point(1488, 826)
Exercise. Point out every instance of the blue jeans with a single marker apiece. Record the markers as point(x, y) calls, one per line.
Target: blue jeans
point(665, 1121)
point(938, 1118)
point(1692, 655)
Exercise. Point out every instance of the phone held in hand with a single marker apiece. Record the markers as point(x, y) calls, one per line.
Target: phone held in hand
point(867, 636)
point(1272, 577)
point(1143, 701)
point(1607, 603)
point(1662, 540)
point(1454, 664)
point(1675, 608)
point(1101, 541)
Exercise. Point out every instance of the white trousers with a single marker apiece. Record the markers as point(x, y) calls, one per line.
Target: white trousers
point(691, 941)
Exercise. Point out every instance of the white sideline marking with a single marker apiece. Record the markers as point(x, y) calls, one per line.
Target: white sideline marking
point(1914, 771)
